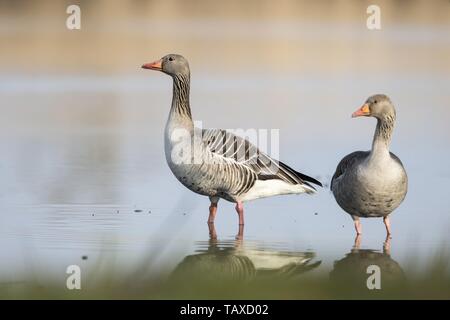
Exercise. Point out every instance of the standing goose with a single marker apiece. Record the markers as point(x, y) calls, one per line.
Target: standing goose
point(217, 163)
point(372, 183)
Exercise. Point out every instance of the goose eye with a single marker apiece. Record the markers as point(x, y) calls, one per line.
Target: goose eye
point(375, 101)
point(170, 59)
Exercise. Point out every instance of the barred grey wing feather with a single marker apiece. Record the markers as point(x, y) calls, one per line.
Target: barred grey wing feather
point(243, 152)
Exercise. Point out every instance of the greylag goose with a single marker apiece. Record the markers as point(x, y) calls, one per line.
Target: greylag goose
point(217, 163)
point(372, 183)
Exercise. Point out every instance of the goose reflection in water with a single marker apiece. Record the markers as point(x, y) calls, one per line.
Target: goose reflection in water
point(351, 272)
point(237, 260)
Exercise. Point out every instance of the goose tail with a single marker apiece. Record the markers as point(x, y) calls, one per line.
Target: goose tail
point(304, 179)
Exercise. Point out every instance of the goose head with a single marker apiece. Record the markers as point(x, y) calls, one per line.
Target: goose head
point(171, 64)
point(378, 106)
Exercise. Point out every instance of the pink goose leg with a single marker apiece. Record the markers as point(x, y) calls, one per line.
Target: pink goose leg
point(387, 223)
point(358, 227)
point(240, 212)
point(212, 210)
point(212, 231)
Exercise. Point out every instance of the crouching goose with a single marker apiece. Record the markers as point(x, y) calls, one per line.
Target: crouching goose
point(217, 163)
point(372, 183)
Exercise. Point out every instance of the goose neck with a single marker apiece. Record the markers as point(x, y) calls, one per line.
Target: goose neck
point(180, 99)
point(382, 137)
point(180, 110)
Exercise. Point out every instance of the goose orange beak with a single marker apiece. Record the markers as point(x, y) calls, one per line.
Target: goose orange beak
point(363, 111)
point(157, 65)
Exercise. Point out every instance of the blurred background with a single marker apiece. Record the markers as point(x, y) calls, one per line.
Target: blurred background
point(83, 172)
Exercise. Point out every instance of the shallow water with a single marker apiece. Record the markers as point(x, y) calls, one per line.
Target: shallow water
point(86, 175)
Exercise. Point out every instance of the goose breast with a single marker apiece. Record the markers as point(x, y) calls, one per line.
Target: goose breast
point(371, 188)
